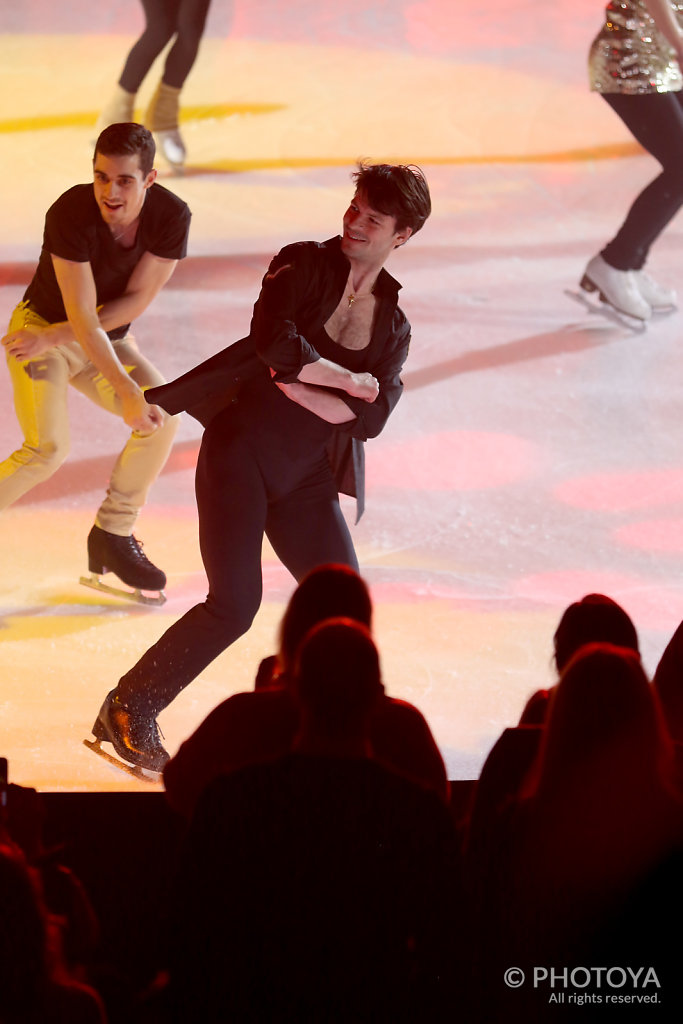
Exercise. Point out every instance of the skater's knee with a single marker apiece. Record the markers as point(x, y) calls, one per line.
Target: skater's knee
point(239, 621)
point(233, 613)
point(190, 28)
point(167, 429)
point(157, 36)
point(43, 460)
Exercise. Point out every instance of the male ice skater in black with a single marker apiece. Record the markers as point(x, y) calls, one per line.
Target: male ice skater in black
point(286, 411)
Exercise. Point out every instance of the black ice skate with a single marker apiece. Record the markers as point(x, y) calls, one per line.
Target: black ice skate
point(123, 556)
point(135, 738)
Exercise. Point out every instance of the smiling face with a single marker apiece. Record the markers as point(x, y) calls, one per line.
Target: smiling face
point(120, 189)
point(370, 236)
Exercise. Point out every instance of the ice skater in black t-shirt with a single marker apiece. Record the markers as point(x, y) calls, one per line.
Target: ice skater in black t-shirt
point(108, 249)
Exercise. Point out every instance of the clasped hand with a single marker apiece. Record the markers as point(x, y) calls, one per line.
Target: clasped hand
point(364, 386)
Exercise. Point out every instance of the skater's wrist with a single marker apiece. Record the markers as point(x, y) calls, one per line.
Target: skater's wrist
point(59, 333)
point(126, 388)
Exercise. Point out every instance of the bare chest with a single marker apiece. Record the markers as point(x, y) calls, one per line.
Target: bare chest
point(351, 323)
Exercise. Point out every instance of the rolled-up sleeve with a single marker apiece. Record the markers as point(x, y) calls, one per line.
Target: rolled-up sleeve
point(370, 417)
point(277, 339)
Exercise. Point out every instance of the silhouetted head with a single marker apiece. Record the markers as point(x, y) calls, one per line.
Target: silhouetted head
point(128, 139)
point(603, 809)
point(594, 619)
point(337, 678)
point(604, 724)
point(327, 592)
point(396, 190)
point(668, 684)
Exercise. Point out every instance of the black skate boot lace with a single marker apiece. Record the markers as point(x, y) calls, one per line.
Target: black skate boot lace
point(139, 550)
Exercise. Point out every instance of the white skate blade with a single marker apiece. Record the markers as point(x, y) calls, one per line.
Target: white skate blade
point(144, 774)
point(95, 583)
point(607, 311)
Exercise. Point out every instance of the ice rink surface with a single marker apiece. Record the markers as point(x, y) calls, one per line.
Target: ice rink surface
point(536, 453)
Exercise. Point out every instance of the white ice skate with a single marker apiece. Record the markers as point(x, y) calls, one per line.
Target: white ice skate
point(171, 145)
point(660, 298)
point(616, 288)
point(607, 312)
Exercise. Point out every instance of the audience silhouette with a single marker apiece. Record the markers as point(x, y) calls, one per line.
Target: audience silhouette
point(260, 724)
point(320, 886)
point(322, 876)
point(597, 816)
point(35, 984)
point(668, 684)
point(595, 618)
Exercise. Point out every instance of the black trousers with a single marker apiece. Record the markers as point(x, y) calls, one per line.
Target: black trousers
point(656, 121)
point(262, 469)
point(184, 19)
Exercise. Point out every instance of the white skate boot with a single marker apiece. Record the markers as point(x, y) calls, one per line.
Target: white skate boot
point(618, 288)
point(660, 298)
point(162, 117)
point(172, 147)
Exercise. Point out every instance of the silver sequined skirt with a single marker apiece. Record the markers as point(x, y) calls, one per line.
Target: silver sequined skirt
point(630, 55)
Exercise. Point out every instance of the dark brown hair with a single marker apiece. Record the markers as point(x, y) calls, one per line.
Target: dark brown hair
point(596, 618)
point(325, 592)
point(338, 675)
point(397, 190)
point(128, 139)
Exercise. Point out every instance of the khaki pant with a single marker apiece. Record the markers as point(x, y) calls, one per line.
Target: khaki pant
point(40, 401)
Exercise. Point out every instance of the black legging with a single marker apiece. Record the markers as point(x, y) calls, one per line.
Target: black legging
point(262, 468)
point(656, 122)
point(184, 19)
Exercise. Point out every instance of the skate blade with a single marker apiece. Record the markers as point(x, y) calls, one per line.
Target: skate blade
point(95, 583)
point(144, 774)
point(607, 311)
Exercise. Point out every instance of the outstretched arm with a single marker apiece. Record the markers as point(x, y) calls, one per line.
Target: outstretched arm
point(146, 281)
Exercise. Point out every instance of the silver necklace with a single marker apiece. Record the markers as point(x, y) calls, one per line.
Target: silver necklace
point(124, 232)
